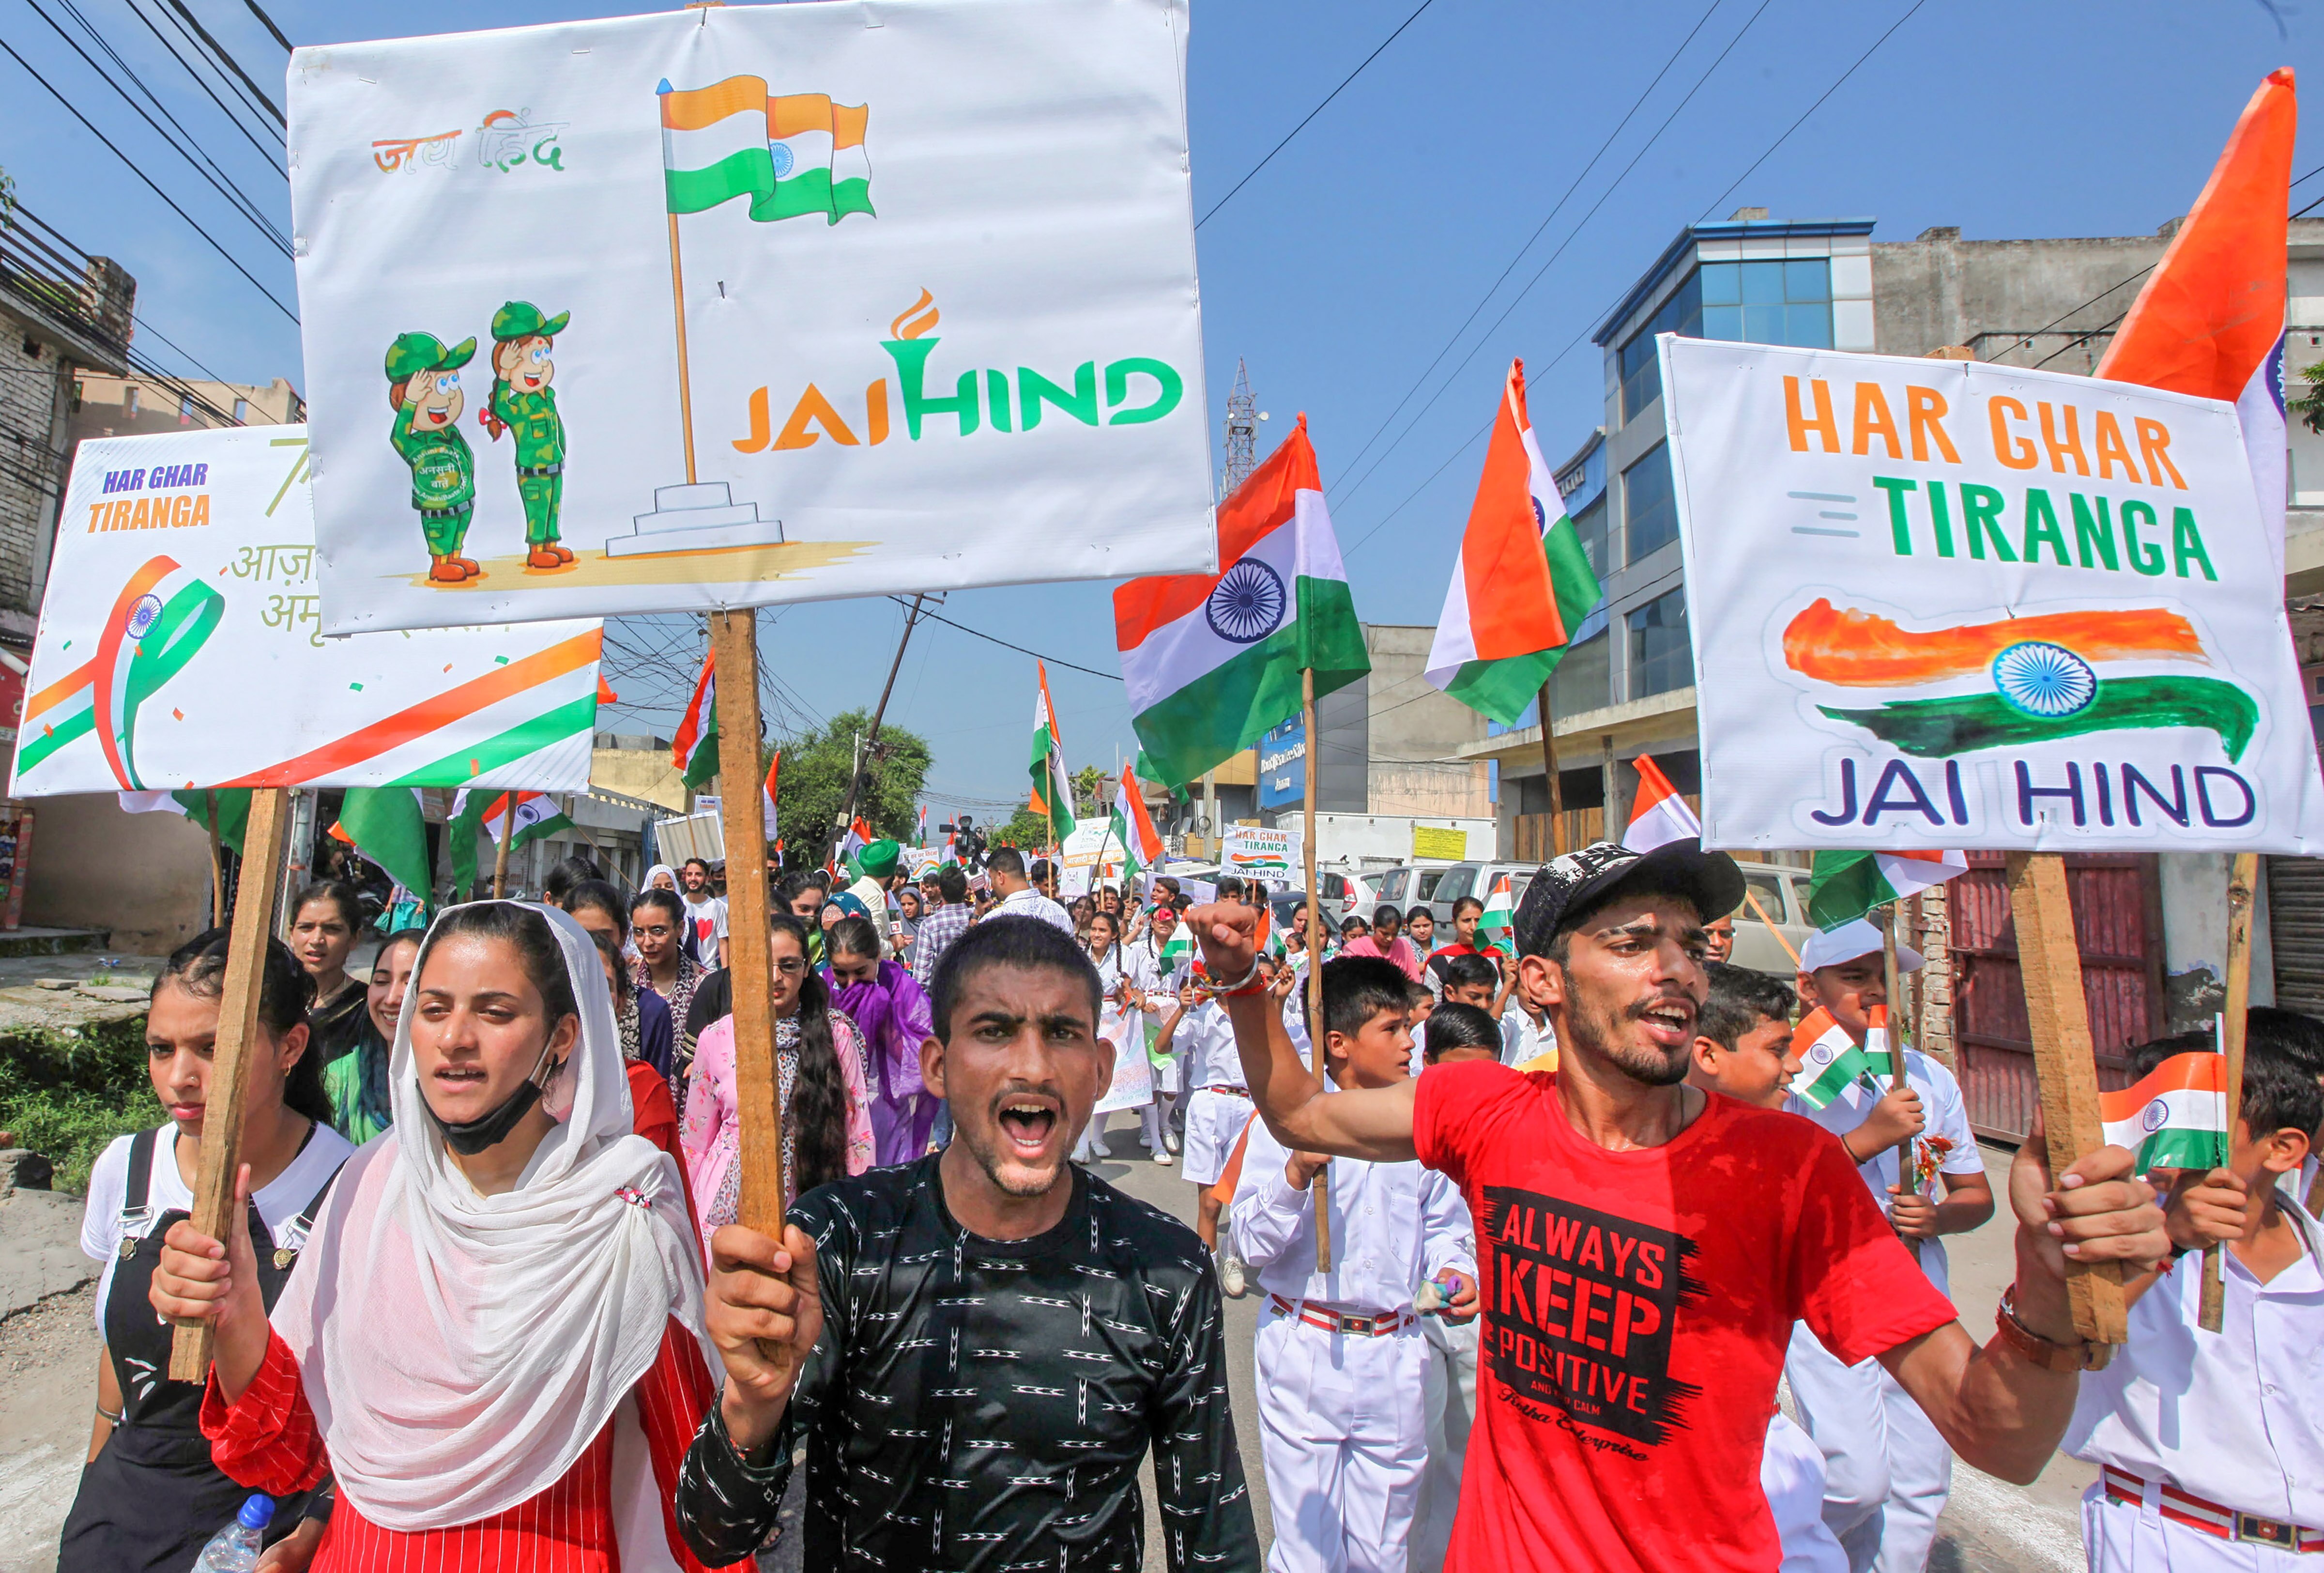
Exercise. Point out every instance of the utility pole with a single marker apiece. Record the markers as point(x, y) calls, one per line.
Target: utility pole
point(868, 747)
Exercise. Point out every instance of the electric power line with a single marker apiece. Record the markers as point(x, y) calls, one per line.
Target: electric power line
point(234, 117)
point(256, 11)
point(218, 52)
point(1052, 659)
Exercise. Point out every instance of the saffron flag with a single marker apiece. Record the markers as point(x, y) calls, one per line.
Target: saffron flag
point(2210, 321)
point(1053, 790)
point(694, 753)
point(1496, 924)
point(792, 155)
point(1846, 885)
point(1212, 661)
point(1658, 815)
point(2175, 1116)
point(1133, 827)
point(1522, 583)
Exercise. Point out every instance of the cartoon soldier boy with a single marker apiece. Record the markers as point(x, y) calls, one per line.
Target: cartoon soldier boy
point(523, 340)
point(423, 388)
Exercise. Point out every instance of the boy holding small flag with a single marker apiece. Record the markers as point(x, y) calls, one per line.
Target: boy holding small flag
point(1890, 1471)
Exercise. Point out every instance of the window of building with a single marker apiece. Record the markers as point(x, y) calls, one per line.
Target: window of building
point(1650, 507)
point(242, 412)
point(1590, 524)
point(1642, 376)
point(185, 407)
point(1660, 657)
point(129, 403)
point(1584, 680)
point(1768, 302)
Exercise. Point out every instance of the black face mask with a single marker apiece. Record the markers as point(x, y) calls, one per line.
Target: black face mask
point(489, 1130)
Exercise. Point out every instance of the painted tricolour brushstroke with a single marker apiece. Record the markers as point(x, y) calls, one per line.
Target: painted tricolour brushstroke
point(1863, 650)
point(1938, 729)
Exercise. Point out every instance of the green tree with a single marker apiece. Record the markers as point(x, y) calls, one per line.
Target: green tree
point(815, 776)
point(1025, 829)
point(2309, 406)
point(1089, 791)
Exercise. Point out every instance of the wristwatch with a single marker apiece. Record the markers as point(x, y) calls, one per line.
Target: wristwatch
point(2047, 1353)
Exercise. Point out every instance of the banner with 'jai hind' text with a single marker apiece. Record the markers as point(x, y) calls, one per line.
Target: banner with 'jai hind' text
point(727, 305)
point(1939, 603)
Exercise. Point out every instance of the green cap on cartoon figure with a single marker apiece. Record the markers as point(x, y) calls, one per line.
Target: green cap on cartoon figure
point(522, 320)
point(414, 352)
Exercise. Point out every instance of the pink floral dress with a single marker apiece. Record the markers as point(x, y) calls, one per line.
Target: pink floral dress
point(710, 1132)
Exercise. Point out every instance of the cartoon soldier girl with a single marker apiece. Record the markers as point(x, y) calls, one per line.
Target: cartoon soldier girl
point(522, 402)
point(423, 389)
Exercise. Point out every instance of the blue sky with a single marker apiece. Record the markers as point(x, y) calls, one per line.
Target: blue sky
point(1342, 270)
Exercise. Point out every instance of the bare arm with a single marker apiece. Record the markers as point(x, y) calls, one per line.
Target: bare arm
point(1374, 1124)
point(108, 1402)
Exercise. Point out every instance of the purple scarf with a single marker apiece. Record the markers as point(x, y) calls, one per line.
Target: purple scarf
point(892, 1014)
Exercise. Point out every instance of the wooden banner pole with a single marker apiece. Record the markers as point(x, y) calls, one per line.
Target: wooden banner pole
point(734, 652)
point(2065, 1067)
point(245, 979)
point(1549, 768)
point(1321, 1184)
point(2243, 880)
point(1892, 1032)
point(501, 852)
point(1752, 897)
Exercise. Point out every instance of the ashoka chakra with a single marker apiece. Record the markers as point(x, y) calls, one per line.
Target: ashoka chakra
point(1246, 604)
point(2044, 680)
point(144, 615)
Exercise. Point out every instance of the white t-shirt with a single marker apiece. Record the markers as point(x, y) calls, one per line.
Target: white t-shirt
point(278, 1203)
point(1030, 902)
point(706, 925)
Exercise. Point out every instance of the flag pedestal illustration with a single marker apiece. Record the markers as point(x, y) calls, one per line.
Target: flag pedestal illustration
point(698, 516)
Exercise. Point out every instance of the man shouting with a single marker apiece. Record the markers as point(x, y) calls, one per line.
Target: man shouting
point(981, 1346)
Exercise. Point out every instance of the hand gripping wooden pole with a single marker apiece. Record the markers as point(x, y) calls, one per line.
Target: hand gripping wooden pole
point(1322, 1184)
point(734, 656)
point(2241, 882)
point(2065, 1066)
point(245, 980)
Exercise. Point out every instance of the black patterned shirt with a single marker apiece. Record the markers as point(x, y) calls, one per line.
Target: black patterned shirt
point(983, 1404)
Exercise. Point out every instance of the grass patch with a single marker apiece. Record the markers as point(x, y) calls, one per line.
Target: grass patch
point(67, 1097)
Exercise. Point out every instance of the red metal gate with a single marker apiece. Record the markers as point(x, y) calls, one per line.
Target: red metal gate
point(2117, 902)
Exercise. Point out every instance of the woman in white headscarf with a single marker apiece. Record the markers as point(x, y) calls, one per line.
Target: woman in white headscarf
point(494, 1338)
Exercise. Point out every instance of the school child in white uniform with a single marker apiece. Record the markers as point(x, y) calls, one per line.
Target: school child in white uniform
point(1888, 1468)
point(2210, 1446)
point(1341, 1362)
point(1153, 985)
point(1218, 1104)
point(1743, 1049)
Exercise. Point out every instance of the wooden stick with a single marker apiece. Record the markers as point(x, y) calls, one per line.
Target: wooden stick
point(2243, 880)
point(2065, 1066)
point(1549, 765)
point(1761, 913)
point(1321, 1184)
point(218, 865)
point(238, 1027)
point(1907, 1176)
point(501, 852)
point(735, 652)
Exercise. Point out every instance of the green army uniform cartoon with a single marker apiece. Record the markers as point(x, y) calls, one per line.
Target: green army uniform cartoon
point(523, 402)
point(423, 389)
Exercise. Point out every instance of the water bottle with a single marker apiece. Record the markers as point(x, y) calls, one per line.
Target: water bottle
point(234, 1548)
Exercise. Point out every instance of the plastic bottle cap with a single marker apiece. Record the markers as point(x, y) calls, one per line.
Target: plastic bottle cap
point(257, 1512)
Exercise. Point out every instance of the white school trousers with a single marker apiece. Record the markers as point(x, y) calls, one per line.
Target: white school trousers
point(1344, 1431)
point(1792, 1474)
point(2121, 1539)
point(1888, 1470)
point(1452, 1408)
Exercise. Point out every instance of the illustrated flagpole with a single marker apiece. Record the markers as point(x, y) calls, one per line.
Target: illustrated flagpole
point(684, 383)
point(2242, 880)
point(1549, 766)
point(1323, 1180)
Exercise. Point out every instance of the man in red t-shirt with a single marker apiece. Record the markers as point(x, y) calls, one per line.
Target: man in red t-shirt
point(1646, 1245)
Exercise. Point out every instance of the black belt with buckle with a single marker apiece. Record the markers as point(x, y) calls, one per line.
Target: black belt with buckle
point(534, 471)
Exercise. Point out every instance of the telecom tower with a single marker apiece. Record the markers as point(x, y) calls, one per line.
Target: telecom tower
point(1243, 434)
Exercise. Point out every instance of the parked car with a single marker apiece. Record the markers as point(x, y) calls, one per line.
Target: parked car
point(1331, 891)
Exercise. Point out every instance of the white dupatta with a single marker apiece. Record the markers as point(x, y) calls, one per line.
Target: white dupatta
point(461, 1352)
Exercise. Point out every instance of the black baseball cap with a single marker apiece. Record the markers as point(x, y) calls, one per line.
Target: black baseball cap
point(1570, 888)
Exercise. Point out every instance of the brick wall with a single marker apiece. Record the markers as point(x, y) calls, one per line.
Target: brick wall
point(1928, 928)
point(29, 376)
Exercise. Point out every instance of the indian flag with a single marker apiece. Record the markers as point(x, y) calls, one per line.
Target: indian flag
point(1212, 661)
point(474, 809)
point(1658, 815)
point(1522, 583)
point(1053, 790)
point(1846, 885)
point(1832, 1060)
point(1133, 827)
point(1967, 685)
point(1177, 951)
point(386, 825)
point(792, 155)
point(2173, 1117)
point(694, 753)
point(1496, 924)
point(767, 794)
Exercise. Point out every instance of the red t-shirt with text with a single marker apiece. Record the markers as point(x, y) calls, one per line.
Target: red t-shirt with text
point(1637, 1307)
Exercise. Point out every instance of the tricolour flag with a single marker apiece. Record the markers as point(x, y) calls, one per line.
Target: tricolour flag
point(767, 790)
point(2175, 1116)
point(386, 825)
point(1522, 583)
point(1177, 951)
point(920, 832)
point(1658, 815)
point(1133, 827)
point(2210, 321)
point(1496, 925)
point(792, 155)
point(474, 808)
point(1846, 885)
point(233, 805)
point(1965, 686)
point(1052, 789)
point(1212, 661)
point(693, 753)
point(858, 837)
point(1832, 1060)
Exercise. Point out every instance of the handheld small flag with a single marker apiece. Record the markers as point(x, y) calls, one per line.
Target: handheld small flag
point(1833, 1059)
point(1496, 925)
point(1133, 827)
point(693, 753)
point(2173, 1117)
point(1658, 816)
point(1177, 951)
point(920, 834)
point(1846, 885)
point(1053, 790)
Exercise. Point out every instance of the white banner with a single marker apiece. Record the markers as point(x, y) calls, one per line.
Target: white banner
point(734, 306)
point(180, 646)
point(1943, 604)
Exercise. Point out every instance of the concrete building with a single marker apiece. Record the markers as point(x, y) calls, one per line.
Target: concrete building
point(1384, 743)
point(107, 406)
